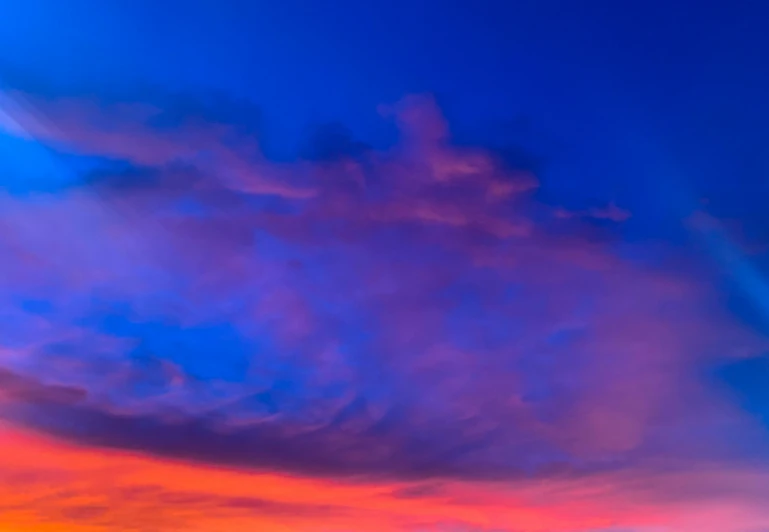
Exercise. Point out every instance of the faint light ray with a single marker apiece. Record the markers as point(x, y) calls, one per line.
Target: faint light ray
point(13, 114)
point(710, 232)
point(35, 155)
point(733, 260)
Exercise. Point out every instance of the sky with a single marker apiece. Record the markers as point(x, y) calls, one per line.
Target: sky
point(384, 266)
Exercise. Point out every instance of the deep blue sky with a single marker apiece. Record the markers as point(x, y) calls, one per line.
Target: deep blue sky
point(615, 92)
point(654, 105)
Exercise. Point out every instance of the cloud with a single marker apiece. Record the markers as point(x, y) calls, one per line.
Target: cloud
point(398, 317)
point(47, 482)
point(610, 212)
point(18, 388)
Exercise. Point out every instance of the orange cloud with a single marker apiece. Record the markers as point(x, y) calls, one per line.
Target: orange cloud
point(48, 485)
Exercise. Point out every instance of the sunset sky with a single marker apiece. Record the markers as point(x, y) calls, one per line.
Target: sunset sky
point(367, 266)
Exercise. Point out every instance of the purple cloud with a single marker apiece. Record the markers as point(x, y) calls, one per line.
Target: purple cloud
point(401, 312)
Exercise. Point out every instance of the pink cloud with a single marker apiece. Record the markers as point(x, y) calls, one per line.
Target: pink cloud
point(609, 212)
point(83, 488)
point(416, 269)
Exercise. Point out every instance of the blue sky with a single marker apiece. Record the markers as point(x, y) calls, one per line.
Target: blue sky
point(439, 243)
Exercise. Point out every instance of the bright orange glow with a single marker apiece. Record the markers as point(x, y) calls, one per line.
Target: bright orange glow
point(53, 486)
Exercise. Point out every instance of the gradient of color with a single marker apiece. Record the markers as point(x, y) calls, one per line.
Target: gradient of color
point(368, 267)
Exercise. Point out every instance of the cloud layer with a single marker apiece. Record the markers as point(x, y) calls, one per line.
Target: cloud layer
point(408, 327)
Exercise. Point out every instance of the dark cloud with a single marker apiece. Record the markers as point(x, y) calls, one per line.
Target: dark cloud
point(331, 141)
point(351, 445)
point(19, 388)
